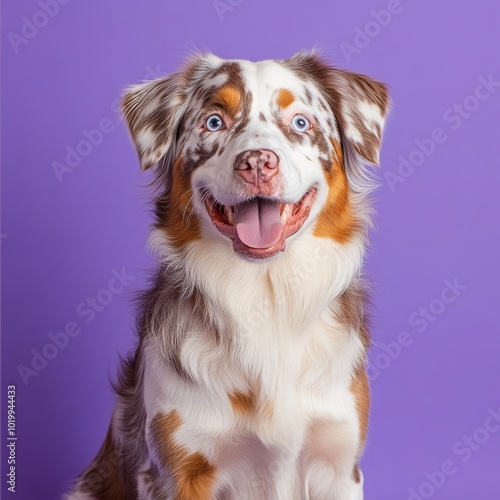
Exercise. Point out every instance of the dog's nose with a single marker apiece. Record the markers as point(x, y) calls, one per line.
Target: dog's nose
point(257, 166)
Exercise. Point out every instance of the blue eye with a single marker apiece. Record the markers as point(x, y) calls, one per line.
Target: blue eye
point(300, 123)
point(214, 123)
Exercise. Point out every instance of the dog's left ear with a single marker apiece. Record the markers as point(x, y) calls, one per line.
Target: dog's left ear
point(360, 103)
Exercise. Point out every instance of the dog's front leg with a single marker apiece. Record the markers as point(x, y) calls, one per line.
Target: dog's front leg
point(184, 459)
point(329, 465)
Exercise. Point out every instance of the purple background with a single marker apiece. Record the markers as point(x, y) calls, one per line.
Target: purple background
point(62, 240)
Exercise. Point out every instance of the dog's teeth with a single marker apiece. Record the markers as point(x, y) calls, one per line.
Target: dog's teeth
point(286, 212)
point(230, 215)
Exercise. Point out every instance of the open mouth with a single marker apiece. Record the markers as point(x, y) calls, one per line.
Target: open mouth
point(259, 226)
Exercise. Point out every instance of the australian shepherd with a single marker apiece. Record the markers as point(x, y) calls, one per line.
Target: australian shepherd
point(249, 381)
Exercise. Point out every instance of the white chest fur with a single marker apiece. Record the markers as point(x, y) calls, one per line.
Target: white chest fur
point(277, 340)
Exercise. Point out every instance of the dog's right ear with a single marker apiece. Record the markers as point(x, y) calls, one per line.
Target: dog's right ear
point(153, 111)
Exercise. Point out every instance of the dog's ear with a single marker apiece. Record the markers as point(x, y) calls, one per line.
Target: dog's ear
point(153, 111)
point(359, 103)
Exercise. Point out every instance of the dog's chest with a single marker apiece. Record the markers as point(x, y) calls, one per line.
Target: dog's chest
point(303, 376)
point(271, 383)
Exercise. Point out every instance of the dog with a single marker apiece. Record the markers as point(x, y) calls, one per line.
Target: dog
point(249, 380)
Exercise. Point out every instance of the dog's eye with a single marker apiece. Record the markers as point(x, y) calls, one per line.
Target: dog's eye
point(214, 123)
point(300, 124)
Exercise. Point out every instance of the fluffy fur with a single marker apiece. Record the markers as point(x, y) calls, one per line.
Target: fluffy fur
point(249, 379)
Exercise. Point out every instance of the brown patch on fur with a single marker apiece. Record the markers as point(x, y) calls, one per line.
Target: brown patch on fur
point(361, 390)
point(351, 312)
point(103, 479)
point(285, 98)
point(292, 136)
point(356, 474)
point(202, 153)
point(337, 219)
point(338, 152)
point(193, 475)
point(234, 75)
point(229, 99)
point(174, 209)
point(242, 403)
point(319, 140)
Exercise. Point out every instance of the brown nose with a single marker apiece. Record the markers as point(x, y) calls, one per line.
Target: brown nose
point(257, 166)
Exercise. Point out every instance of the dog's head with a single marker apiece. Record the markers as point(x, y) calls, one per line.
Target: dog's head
point(259, 153)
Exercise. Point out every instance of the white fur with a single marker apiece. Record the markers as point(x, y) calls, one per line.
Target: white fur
point(372, 117)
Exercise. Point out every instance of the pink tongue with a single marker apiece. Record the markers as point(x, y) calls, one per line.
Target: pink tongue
point(258, 223)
